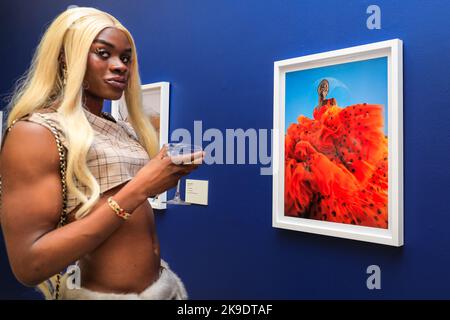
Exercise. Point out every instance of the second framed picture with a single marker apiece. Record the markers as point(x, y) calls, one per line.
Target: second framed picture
point(155, 100)
point(338, 149)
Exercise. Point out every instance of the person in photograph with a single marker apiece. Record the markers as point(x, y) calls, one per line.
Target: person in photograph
point(336, 164)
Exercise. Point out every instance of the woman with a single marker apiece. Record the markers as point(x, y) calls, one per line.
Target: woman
point(84, 57)
point(336, 164)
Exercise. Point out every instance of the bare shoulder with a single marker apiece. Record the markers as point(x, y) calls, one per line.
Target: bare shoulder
point(31, 188)
point(30, 147)
point(29, 169)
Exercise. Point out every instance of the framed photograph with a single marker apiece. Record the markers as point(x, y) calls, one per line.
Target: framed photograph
point(338, 143)
point(155, 100)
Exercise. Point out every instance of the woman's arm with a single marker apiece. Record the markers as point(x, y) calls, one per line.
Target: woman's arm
point(32, 204)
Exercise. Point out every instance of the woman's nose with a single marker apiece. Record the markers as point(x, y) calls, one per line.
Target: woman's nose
point(118, 66)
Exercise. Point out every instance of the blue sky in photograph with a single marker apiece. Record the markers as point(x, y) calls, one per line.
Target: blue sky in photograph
point(350, 83)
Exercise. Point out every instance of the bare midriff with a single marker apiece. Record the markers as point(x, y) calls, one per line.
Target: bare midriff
point(129, 260)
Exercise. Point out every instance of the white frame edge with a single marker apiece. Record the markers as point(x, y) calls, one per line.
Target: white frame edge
point(394, 235)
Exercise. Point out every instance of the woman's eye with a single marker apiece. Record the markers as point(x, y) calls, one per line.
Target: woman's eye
point(126, 59)
point(102, 53)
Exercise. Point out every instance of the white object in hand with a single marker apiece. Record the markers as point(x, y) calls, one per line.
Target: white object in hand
point(181, 153)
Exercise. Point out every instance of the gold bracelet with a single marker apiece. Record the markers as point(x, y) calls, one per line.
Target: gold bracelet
point(117, 209)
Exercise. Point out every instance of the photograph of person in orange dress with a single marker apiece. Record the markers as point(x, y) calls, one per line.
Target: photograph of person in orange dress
point(336, 145)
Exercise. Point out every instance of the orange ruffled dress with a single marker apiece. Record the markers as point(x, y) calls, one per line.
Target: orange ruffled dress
point(336, 166)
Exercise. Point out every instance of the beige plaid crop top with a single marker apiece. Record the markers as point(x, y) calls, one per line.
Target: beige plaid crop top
point(114, 157)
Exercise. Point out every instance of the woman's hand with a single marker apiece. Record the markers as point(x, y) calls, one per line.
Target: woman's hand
point(162, 173)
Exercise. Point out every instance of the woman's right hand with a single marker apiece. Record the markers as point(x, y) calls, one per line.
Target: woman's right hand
point(161, 173)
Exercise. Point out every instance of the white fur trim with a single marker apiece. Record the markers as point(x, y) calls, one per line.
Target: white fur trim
point(168, 287)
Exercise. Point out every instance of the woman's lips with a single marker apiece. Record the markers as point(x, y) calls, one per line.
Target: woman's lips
point(116, 84)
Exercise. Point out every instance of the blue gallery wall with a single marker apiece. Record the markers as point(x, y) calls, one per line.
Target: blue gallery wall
point(218, 57)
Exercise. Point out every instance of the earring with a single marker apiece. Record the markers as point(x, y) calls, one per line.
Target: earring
point(85, 85)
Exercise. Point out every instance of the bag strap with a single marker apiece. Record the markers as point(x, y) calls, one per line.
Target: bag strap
point(62, 165)
point(62, 169)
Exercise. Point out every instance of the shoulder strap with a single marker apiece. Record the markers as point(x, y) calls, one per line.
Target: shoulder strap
point(62, 167)
point(63, 217)
point(55, 294)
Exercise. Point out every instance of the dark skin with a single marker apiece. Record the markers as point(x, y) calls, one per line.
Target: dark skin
point(115, 255)
point(110, 56)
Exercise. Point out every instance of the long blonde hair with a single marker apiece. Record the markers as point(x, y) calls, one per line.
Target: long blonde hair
point(72, 33)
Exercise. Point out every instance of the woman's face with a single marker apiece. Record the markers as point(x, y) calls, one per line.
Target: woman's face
point(323, 88)
point(108, 65)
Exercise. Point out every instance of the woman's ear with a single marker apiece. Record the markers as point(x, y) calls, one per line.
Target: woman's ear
point(62, 59)
point(62, 67)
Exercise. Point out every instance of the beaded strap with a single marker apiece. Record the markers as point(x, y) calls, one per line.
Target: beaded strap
point(62, 168)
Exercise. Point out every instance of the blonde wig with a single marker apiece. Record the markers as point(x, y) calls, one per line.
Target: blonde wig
point(72, 33)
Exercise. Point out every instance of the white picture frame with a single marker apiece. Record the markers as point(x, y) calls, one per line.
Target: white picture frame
point(393, 234)
point(155, 100)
